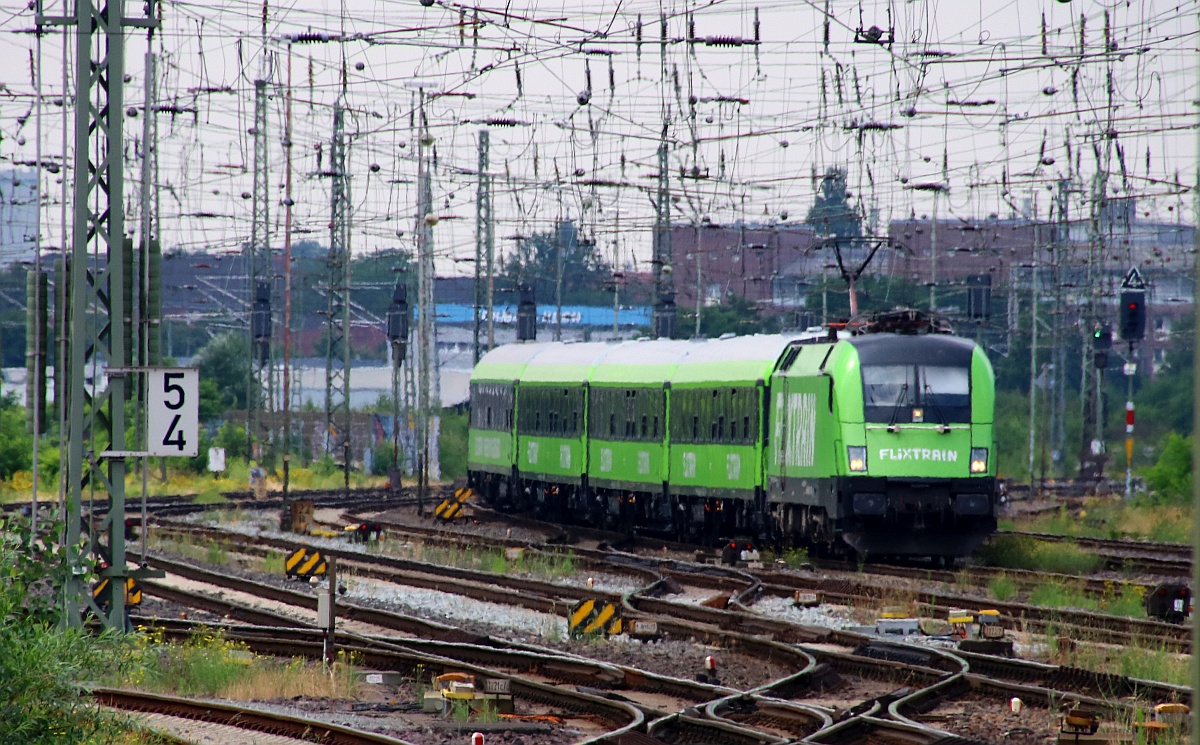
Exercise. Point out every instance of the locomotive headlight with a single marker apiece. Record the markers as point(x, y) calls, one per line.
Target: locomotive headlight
point(857, 456)
point(979, 460)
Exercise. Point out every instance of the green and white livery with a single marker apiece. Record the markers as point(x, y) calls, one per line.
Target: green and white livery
point(879, 437)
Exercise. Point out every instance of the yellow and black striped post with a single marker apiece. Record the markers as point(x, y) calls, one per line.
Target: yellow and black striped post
point(591, 617)
point(304, 563)
point(452, 507)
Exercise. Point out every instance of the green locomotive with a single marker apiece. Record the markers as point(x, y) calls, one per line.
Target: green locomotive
point(878, 436)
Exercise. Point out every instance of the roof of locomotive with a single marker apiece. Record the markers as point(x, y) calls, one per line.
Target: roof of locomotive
point(929, 349)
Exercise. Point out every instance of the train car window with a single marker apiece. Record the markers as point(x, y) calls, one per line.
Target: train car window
point(695, 429)
point(612, 425)
point(746, 434)
point(645, 427)
point(655, 435)
point(488, 400)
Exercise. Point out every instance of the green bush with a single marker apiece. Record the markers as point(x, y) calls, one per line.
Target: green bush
point(1170, 478)
point(16, 446)
point(452, 444)
point(45, 667)
point(233, 438)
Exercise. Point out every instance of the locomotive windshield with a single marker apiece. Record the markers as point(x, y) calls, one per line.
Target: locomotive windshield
point(895, 394)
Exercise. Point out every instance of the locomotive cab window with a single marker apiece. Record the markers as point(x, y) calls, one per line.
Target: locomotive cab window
point(916, 393)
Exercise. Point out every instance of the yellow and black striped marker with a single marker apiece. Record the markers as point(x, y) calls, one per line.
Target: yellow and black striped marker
point(452, 507)
point(304, 563)
point(133, 592)
point(590, 617)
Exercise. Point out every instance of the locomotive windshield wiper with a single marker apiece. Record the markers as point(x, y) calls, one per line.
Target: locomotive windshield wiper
point(931, 397)
point(900, 397)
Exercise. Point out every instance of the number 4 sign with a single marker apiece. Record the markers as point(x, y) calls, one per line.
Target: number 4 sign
point(173, 411)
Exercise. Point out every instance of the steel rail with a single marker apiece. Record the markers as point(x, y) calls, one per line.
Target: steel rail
point(242, 717)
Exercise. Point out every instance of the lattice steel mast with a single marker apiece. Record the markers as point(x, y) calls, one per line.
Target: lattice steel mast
point(337, 353)
point(99, 292)
point(260, 392)
point(484, 249)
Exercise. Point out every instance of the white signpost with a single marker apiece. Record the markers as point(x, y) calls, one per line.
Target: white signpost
point(173, 411)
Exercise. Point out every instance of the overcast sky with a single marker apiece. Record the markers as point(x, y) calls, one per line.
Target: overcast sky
point(970, 94)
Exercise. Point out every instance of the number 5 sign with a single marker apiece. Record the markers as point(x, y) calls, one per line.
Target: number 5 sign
point(173, 411)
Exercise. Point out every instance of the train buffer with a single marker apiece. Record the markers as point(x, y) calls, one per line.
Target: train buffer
point(452, 507)
point(305, 563)
point(593, 616)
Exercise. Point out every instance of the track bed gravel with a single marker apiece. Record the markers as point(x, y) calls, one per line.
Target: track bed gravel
point(991, 720)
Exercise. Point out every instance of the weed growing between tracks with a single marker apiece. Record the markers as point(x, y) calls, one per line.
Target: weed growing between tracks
point(1020, 552)
point(208, 664)
point(1001, 587)
point(1145, 661)
point(1144, 518)
point(533, 564)
point(207, 551)
point(1117, 600)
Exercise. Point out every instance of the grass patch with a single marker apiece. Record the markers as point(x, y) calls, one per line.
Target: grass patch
point(1020, 552)
point(273, 564)
point(1147, 663)
point(210, 665)
point(1002, 587)
point(207, 551)
point(794, 558)
point(542, 565)
point(1118, 599)
point(1143, 518)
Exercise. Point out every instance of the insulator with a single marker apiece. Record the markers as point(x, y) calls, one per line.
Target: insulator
point(309, 37)
point(725, 41)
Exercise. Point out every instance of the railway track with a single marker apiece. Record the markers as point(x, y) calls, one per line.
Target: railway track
point(1152, 557)
point(300, 729)
point(773, 714)
point(698, 621)
point(1101, 627)
point(770, 706)
point(765, 705)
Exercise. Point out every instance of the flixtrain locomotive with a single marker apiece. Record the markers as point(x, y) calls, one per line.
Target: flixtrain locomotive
point(876, 436)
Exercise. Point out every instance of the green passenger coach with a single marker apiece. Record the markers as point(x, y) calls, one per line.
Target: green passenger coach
point(876, 438)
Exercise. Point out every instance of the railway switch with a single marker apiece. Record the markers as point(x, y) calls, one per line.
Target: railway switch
point(709, 673)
